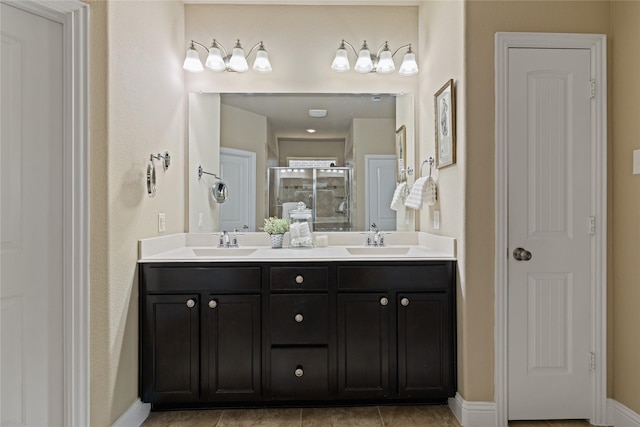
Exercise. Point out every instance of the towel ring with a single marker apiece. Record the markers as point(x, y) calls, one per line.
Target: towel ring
point(430, 161)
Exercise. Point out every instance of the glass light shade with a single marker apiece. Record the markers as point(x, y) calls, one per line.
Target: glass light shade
point(341, 61)
point(364, 63)
point(409, 65)
point(192, 61)
point(385, 63)
point(214, 60)
point(262, 64)
point(238, 62)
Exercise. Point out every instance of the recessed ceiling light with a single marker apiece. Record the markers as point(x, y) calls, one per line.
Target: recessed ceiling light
point(311, 131)
point(317, 113)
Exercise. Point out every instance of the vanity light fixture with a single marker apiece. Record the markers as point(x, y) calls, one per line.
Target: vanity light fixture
point(381, 62)
point(219, 60)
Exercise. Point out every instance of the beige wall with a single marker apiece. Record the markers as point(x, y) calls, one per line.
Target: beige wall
point(625, 197)
point(482, 20)
point(137, 108)
point(442, 58)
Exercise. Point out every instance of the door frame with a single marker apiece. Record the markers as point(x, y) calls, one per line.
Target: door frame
point(73, 15)
point(596, 43)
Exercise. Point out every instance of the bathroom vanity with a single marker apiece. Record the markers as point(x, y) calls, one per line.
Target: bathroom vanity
point(262, 329)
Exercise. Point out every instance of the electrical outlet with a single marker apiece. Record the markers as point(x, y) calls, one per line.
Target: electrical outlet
point(436, 220)
point(162, 224)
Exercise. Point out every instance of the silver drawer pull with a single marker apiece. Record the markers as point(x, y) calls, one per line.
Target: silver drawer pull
point(384, 301)
point(299, 279)
point(404, 301)
point(191, 303)
point(213, 303)
point(299, 372)
point(299, 318)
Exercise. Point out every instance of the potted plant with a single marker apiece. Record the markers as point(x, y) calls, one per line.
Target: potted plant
point(276, 227)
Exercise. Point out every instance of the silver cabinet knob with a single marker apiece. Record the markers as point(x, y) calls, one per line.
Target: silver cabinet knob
point(384, 301)
point(299, 372)
point(299, 279)
point(191, 303)
point(299, 318)
point(213, 303)
point(520, 254)
point(404, 301)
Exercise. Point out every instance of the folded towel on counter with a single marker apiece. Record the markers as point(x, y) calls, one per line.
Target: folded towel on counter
point(415, 197)
point(399, 195)
point(300, 234)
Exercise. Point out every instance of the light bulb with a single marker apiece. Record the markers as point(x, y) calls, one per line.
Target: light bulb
point(385, 63)
point(262, 64)
point(192, 61)
point(364, 63)
point(341, 61)
point(215, 60)
point(238, 62)
point(409, 65)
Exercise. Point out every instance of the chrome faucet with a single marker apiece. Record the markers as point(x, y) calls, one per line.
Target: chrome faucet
point(226, 241)
point(374, 236)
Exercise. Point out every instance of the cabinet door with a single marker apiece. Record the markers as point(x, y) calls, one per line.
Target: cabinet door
point(231, 347)
point(170, 349)
point(425, 346)
point(363, 345)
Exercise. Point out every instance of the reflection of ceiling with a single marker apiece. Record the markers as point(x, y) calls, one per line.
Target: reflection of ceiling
point(289, 113)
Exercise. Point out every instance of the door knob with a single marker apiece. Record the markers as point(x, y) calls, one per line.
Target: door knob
point(520, 254)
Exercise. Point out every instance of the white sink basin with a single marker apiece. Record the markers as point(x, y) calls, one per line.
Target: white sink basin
point(373, 250)
point(220, 252)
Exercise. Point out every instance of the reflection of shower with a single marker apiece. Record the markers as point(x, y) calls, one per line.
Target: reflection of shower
point(343, 207)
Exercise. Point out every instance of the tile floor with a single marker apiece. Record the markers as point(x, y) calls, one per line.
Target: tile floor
point(360, 416)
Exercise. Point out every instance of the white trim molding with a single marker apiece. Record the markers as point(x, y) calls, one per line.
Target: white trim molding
point(618, 415)
point(134, 416)
point(74, 17)
point(596, 43)
point(473, 414)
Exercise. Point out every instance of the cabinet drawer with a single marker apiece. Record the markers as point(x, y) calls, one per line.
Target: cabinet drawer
point(299, 278)
point(369, 276)
point(299, 373)
point(161, 278)
point(299, 319)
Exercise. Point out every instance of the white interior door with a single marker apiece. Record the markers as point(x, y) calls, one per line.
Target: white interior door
point(31, 203)
point(549, 297)
point(238, 171)
point(380, 180)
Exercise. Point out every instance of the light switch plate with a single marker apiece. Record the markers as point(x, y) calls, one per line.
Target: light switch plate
point(201, 219)
point(162, 225)
point(636, 162)
point(436, 220)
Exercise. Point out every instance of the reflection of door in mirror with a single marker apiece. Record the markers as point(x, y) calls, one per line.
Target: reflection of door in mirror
point(238, 169)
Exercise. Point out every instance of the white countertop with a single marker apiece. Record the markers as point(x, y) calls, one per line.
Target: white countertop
point(255, 247)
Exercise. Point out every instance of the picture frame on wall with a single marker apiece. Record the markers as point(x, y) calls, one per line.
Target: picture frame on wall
point(401, 153)
point(445, 125)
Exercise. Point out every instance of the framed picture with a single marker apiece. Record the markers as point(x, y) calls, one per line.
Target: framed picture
point(445, 115)
point(401, 153)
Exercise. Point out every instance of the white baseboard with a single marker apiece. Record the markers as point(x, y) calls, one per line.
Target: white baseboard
point(134, 416)
point(474, 414)
point(619, 415)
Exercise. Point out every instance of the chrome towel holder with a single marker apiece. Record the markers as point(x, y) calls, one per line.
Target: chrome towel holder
point(430, 161)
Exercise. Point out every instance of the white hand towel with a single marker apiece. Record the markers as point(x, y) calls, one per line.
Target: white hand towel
point(414, 200)
point(398, 196)
point(431, 192)
point(294, 231)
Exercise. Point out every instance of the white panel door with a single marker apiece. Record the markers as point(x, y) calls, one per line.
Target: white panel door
point(380, 183)
point(238, 171)
point(31, 363)
point(549, 130)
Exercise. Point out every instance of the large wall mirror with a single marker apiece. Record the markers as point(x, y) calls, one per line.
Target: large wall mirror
point(336, 153)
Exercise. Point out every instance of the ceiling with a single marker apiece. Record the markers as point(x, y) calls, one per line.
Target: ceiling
point(289, 113)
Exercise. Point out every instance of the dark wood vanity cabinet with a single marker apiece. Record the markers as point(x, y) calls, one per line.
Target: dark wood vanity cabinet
point(396, 330)
point(200, 334)
point(214, 334)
